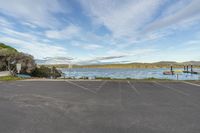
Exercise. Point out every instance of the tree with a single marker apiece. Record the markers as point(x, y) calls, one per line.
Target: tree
point(9, 58)
point(46, 72)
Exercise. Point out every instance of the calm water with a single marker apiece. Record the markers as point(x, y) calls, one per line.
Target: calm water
point(126, 73)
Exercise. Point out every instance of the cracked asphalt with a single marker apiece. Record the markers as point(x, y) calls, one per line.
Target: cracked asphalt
point(99, 107)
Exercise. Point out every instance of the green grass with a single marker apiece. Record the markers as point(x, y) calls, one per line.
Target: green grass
point(104, 78)
point(9, 78)
point(3, 46)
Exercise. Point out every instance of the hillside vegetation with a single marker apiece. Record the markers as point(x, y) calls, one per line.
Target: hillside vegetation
point(9, 57)
point(3, 46)
point(163, 64)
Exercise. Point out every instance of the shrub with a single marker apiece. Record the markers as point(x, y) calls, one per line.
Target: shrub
point(9, 57)
point(46, 72)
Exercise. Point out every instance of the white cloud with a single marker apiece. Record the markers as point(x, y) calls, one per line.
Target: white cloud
point(98, 60)
point(92, 47)
point(19, 35)
point(66, 33)
point(141, 20)
point(5, 23)
point(87, 46)
point(122, 18)
point(192, 43)
point(55, 60)
point(117, 56)
point(37, 12)
point(187, 13)
point(29, 25)
point(133, 25)
point(32, 43)
point(131, 52)
point(37, 49)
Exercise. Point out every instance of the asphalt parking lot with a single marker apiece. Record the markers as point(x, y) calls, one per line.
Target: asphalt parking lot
point(99, 107)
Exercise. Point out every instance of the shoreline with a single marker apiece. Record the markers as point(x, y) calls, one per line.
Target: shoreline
point(138, 80)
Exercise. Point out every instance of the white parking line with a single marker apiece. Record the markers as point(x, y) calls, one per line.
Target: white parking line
point(101, 85)
point(191, 83)
point(173, 89)
point(133, 87)
point(120, 96)
point(82, 87)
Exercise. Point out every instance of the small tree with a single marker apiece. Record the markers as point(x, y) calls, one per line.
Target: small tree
point(9, 59)
point(46, 72)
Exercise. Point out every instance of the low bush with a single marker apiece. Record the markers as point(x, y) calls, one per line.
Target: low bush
point(46, 72)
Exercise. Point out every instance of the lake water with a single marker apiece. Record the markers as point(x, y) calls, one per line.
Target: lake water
point(127, 73)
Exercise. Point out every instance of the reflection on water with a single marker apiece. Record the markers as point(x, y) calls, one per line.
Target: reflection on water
point(126, 73)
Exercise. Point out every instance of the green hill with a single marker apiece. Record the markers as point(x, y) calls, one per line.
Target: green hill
point(9, 57)
point(162, 64)
point(3, 46)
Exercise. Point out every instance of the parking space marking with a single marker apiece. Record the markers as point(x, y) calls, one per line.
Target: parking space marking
point(120, 92)
point(191, 83)
point(20, 85)
point(82, 87)
point(101, 85)
point(120, 96)
point(133, 87)
point(171, 88)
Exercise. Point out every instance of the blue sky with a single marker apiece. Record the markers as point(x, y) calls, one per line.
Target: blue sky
point(102, 31)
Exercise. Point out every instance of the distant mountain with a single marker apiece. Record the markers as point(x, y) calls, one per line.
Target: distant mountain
point(191, 63)
point(161, 64)
point(166, 62)
point(3, 46)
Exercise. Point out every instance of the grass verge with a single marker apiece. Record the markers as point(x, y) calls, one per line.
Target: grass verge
point(9, 78)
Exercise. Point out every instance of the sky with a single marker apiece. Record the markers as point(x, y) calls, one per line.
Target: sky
point(102, 31)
